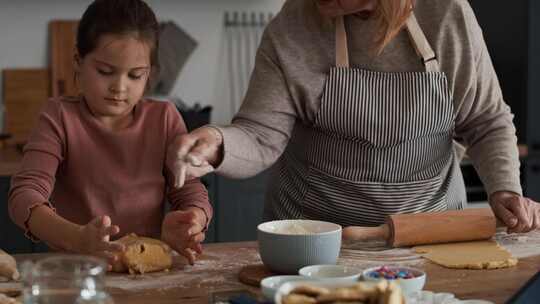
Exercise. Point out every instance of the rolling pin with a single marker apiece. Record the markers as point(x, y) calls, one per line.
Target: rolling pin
point(429, 228)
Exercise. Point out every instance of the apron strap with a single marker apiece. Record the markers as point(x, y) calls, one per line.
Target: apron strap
point(420, 43)
point(342, 50)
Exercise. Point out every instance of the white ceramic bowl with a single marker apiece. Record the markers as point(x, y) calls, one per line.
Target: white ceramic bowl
point(407, 285)
point(270, 285)
point(286, 246)
point(333, 273)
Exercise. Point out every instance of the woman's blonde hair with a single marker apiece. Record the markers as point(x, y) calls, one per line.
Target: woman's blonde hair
point(391, 16)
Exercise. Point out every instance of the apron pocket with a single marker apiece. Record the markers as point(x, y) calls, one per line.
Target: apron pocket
point(361, 203)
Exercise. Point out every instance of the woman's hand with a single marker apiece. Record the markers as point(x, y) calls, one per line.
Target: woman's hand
point(519, 214)
point(195, 154)
point(95, 239)
point(183, 231)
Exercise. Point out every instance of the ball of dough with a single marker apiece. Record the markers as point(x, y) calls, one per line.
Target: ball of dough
point(142, 255)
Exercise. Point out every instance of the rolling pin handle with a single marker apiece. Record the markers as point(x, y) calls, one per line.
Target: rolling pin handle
point(356, 233)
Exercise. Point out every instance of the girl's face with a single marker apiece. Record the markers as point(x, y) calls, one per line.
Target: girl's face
point(113, 77)
point(334, 8)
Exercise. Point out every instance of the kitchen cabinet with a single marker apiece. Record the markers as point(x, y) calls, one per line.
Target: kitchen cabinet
point(12, 239)
point(238, 207)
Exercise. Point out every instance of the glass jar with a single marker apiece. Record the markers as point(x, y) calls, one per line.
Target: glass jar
point(65, 279)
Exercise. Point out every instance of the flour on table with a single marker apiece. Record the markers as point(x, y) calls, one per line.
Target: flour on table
point(521, 245)
point(212, 269)
point(375, 253)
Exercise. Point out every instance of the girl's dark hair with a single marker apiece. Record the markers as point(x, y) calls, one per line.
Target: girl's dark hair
point(118, 17)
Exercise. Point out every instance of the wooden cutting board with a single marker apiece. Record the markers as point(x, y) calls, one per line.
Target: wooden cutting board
point(25, 91)
point(63, 34)
point(253, 274)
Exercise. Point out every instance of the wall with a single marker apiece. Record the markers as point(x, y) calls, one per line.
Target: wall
point(23, 36)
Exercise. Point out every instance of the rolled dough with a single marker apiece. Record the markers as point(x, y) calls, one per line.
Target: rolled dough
point(143, 255)
point(468, 255)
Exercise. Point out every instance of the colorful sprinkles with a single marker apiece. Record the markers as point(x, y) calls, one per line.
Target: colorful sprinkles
point(388, 273)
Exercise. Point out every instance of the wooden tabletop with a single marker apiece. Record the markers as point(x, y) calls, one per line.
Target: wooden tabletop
point(218, 269)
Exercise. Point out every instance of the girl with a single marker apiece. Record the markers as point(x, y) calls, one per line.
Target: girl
point(96, 166)
point(359, 103)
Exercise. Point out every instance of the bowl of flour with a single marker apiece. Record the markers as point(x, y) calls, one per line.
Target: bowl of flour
point(285, 246)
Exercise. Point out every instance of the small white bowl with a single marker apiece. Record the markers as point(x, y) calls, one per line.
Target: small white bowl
point(270, 285)
point(334, 273)
point(407, 285)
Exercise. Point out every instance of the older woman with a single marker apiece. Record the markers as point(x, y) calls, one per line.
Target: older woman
point(359, 102)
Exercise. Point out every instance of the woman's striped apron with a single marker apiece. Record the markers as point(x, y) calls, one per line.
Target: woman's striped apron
point(382, 143)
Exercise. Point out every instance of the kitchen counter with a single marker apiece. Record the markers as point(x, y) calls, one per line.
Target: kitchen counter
point(217, 270)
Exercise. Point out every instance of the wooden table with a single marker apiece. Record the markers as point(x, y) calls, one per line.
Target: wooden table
point(218, 268)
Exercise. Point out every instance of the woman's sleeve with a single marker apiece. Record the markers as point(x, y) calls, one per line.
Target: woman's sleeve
point(193, 193)
point(33, 184)
point(261, 129)
point(484, 121)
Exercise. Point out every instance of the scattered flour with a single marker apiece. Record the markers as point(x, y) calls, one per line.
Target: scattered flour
point(212, 269)
point(375, 253)
point(370, 254)
point(520, 245)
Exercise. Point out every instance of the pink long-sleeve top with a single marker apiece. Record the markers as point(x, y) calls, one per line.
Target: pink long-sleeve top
point(84, 170)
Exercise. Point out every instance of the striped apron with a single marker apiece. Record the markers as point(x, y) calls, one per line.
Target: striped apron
point(381, 144)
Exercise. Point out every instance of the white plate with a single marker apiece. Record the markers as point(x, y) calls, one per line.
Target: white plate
point(287, 287)
point(270, 285)
point(423, 297)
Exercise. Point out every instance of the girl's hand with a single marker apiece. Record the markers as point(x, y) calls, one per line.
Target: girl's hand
point(95, 239)
point(519, 214)
point(183, 231)
point(195, 154)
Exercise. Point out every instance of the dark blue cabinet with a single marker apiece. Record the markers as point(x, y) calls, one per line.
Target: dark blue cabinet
point(532, 177)
point(239, 207)
point(12, 239)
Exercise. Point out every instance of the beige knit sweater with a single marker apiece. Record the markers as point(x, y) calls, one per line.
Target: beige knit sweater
point(298, 50)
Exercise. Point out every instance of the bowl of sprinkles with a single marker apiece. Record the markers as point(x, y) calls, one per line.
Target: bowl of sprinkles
point(409, 279)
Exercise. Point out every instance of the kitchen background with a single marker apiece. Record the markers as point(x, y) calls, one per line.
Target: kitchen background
point(25, 40)
point(214, 42)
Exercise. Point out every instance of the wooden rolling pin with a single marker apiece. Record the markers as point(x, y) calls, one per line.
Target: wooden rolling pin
point(429, 228)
